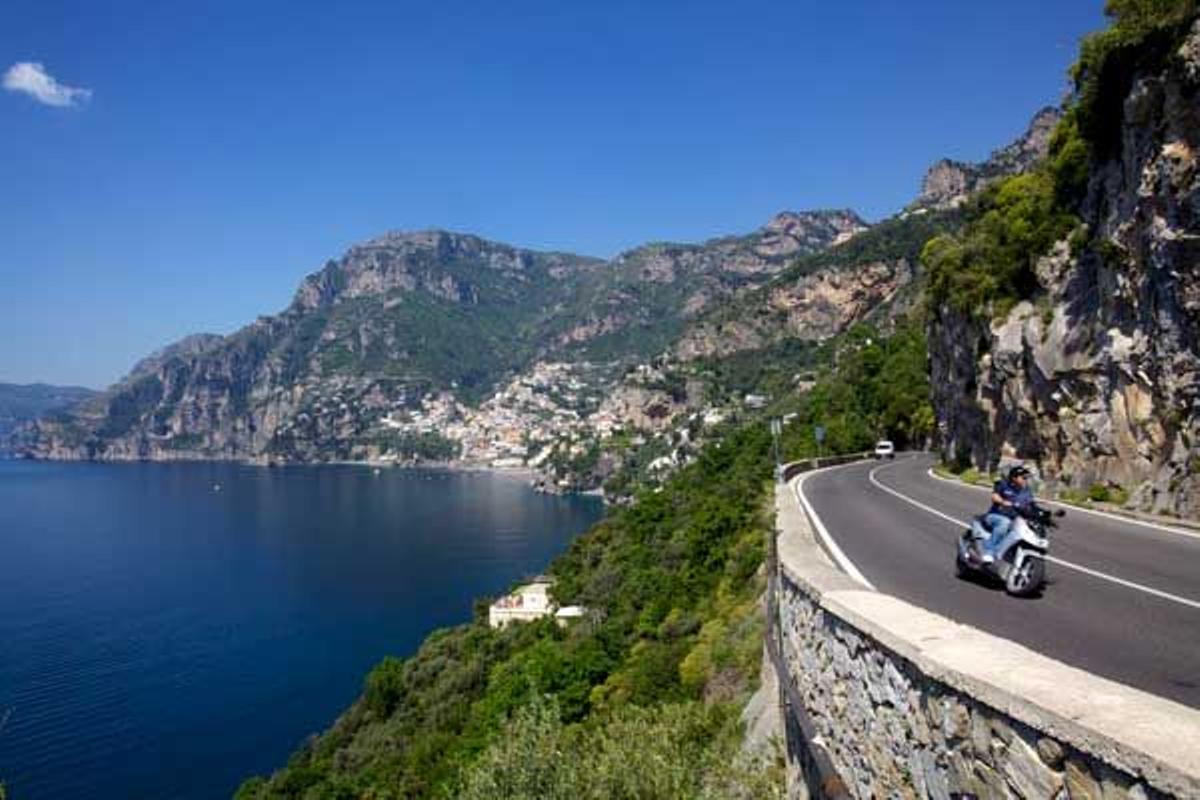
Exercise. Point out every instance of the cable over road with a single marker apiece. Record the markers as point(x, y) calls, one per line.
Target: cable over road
point(1123, 597)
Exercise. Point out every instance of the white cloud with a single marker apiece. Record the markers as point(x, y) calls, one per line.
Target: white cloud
point(32, 79)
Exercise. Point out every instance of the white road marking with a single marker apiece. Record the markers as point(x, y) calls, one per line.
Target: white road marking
point(1080, 509)
point(845, 563)
point(1070, 565)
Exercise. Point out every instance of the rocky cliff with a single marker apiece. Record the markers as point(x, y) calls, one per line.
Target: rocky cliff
point(867, 276)
point(650, 294)
point(1096, 376)
point(949, 183)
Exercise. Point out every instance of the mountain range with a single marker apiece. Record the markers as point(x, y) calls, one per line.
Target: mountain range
point(408, 315)
point(437, 345)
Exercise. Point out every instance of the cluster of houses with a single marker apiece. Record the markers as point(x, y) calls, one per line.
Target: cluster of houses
point(557, 408)
point(519, 424)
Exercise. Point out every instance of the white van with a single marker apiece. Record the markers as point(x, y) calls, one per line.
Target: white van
point(885, 449)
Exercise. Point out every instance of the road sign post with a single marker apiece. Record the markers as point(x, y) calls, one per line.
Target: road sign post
point(776, 431)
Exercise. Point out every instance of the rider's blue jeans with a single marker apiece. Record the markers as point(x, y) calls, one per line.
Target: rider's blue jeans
point(999, 525)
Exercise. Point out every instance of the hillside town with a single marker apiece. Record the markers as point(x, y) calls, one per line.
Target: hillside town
point(559, 420)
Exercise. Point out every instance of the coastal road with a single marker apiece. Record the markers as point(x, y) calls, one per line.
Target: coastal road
point(1123, 597)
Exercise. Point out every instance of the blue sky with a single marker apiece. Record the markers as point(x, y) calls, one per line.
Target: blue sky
point(227, 149)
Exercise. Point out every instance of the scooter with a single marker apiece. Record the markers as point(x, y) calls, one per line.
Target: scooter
point(1021, 562)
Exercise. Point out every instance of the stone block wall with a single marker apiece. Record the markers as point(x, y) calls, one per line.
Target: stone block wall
point(892, 731)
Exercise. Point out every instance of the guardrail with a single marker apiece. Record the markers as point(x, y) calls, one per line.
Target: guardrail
point(801, 737)
point(794, 468)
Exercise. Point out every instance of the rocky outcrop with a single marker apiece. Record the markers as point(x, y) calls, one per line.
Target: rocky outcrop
point(812, 307)
point(1098, 379)
point(188, 346)
point(821, 305)
point(790, 233)
point(647, 294)
point(948, 183)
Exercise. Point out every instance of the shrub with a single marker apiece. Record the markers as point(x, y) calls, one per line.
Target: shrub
point(992, 264)
point(1142, 35)
point(1069, 162)
point(1070, 495)
point(1107, 493)
point(667, 751)
point(384, 686)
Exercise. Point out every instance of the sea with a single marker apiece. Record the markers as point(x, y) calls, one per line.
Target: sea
point(168, 630)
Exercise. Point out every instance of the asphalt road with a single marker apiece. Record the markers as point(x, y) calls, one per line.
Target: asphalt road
point(1122, 602)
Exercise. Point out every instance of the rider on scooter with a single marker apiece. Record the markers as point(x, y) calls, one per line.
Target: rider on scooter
point(1009, 496)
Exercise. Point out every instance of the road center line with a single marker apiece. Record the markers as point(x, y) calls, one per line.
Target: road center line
point(1068, 564)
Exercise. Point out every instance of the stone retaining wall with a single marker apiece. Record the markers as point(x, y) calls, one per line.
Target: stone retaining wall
point(906, 703)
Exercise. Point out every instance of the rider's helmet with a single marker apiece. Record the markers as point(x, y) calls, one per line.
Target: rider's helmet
point(1018, 472)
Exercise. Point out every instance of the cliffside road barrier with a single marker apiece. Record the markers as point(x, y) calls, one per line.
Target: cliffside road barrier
point(884, 698)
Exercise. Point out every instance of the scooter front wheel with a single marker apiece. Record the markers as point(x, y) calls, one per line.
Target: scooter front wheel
point(1026, 579)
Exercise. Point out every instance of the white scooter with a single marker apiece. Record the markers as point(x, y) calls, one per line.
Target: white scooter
point(1021, 562)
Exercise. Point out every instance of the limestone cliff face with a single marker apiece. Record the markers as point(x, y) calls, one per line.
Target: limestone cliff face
point(628, 300)
point(790, 233)
point(812, 307)
point(1098, 381)
point(948, 183)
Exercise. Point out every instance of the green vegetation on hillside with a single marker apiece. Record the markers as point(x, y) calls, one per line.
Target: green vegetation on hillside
point(878, 389)
point(992, 263)
point(429, 446)
point(658, 669)
point(770, 371)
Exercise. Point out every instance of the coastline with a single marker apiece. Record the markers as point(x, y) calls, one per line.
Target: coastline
point(535, 479)
point(527, 473)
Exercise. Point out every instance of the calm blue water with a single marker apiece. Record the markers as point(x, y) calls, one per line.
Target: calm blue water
point(160, 639)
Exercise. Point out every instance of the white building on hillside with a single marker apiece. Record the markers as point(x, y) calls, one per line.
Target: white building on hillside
point(528, 602)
